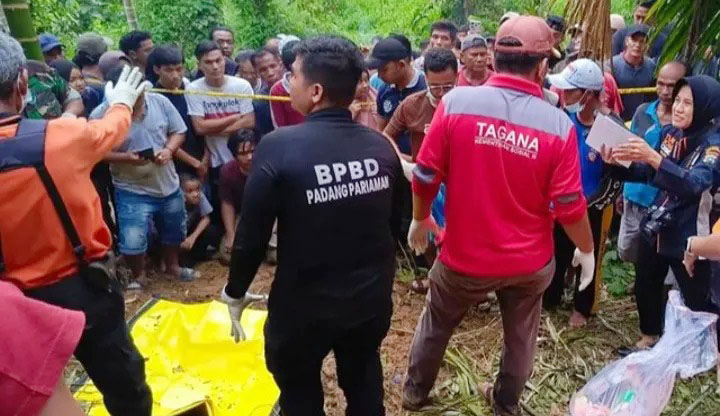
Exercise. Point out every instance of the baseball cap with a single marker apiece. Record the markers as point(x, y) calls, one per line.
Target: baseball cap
point(91, 44)
point(556, 23)
point(638, 28)
point(473, 41)
point(582, 73)
point(508, 16)
point(48, 42)
point(110, 60)
point(531, 33)
point(387, 50)
point(617, 22)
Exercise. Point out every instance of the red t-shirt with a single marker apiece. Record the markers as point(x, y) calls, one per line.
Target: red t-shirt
point(462, 80)
point(514, 169)
point(281, 111)
point(36, 341)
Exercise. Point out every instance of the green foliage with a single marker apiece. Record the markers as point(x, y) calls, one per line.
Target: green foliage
point(182, 22)
point(616, 274)
point(253, 21)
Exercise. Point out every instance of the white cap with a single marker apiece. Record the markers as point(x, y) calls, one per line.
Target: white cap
point(617, 22)
point(583, 74)
point(508, 15)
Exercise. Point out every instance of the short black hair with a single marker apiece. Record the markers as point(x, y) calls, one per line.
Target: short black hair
point(221, 28)
point(131, 41)
point(187, 177)
point(262, 52)
point(404, 40)
point(287, 54)
point(646, 3)
point(245, 56)
point(165, 54)
point(239, 137)
point(205, 47)
point(517, 63)
point(445, 26)
point(440, 59)
point(333, 62)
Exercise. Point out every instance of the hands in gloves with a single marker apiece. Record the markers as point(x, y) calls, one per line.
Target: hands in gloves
point(407, 169)
point(587, 267)
point(236, 307)
point(129, 87)
point(418, 234)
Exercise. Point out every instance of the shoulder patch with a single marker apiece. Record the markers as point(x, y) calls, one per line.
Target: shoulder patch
point(668, 143)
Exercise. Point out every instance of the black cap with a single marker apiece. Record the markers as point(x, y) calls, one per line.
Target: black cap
point(635, 29)
point(387, 50)
point(556, 23)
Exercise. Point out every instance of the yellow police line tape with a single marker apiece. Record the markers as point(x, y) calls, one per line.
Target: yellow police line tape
point(222, 94)
point(622, 91)
point(643, 90)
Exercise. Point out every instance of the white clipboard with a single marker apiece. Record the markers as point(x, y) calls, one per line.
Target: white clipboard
point(607, 132)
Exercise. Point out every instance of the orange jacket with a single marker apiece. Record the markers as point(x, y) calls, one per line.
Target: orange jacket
point(34, 245)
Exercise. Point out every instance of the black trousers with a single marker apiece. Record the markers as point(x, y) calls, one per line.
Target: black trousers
point(215, 216)
point(295, 360)
point(650, 272)
point(106, 349)
point(198, 253)
point(586, 301)
point(101, 179)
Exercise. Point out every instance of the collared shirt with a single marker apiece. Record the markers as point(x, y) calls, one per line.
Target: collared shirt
point(389, 98)
point(72, 148)
point(514, 155)
point(645, 124)
point(160, 121)
point(463, 81)
point(48, 92)
point(628, 76)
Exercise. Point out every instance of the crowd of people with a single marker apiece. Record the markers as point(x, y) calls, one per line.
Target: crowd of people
point(323, 158)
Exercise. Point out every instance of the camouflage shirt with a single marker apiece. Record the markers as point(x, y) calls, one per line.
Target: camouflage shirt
point(47, 92)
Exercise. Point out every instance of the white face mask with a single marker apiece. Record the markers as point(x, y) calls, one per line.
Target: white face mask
point(574, 108)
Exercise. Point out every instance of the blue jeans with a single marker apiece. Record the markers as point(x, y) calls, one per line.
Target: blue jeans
point(136, 213)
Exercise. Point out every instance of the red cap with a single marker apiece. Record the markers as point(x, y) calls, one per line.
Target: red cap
point(533, 34)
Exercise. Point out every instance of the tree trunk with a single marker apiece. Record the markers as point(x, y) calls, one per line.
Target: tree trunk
point(130, 14)
point(21, 27)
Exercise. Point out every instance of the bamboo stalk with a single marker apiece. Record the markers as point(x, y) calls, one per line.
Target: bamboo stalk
point(17, 13)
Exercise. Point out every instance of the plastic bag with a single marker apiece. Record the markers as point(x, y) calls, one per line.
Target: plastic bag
point(641, 383)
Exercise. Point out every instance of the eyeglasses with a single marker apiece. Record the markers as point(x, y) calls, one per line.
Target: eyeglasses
point(440, 88)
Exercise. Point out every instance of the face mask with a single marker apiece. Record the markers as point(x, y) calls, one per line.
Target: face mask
point(24, 99)
point(433, 100)
point(575, 108)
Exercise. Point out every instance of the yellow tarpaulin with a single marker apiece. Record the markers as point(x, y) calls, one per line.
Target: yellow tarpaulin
point(192, 361)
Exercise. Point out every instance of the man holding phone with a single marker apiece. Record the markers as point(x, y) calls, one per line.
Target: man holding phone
point(147, 187)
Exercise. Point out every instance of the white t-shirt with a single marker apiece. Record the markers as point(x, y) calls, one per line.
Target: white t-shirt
point(218, 107)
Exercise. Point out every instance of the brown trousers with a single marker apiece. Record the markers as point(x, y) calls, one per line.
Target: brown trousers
point(449, 297)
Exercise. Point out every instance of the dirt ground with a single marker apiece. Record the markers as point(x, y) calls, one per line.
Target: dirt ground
point(565, 361)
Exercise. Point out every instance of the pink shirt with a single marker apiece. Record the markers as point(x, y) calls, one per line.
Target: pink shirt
point(281, 111)
point(36, 341)
point(510, 164)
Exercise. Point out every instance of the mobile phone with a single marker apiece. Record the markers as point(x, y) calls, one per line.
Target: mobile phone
point(147, 154)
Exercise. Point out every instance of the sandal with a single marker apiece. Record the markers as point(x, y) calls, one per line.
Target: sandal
point(420, 286)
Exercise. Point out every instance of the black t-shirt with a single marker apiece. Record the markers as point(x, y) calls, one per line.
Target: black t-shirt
point(263, 117)
point(333, 186)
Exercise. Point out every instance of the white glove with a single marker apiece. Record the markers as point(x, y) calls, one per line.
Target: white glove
point(129, 87)
point(236, 307)
point(418, 234)
point(587, 267)
point(407, 169)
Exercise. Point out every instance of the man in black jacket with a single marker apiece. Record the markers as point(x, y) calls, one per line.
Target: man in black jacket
point(333, 186)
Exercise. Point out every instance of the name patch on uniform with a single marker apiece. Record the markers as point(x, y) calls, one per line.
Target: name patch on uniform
point(510, 140)
point(711, 155)
point(346, 179)
point(667, 145)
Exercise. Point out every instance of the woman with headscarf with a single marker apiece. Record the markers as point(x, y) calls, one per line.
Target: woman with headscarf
point(74, 77)
point(686, 167)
